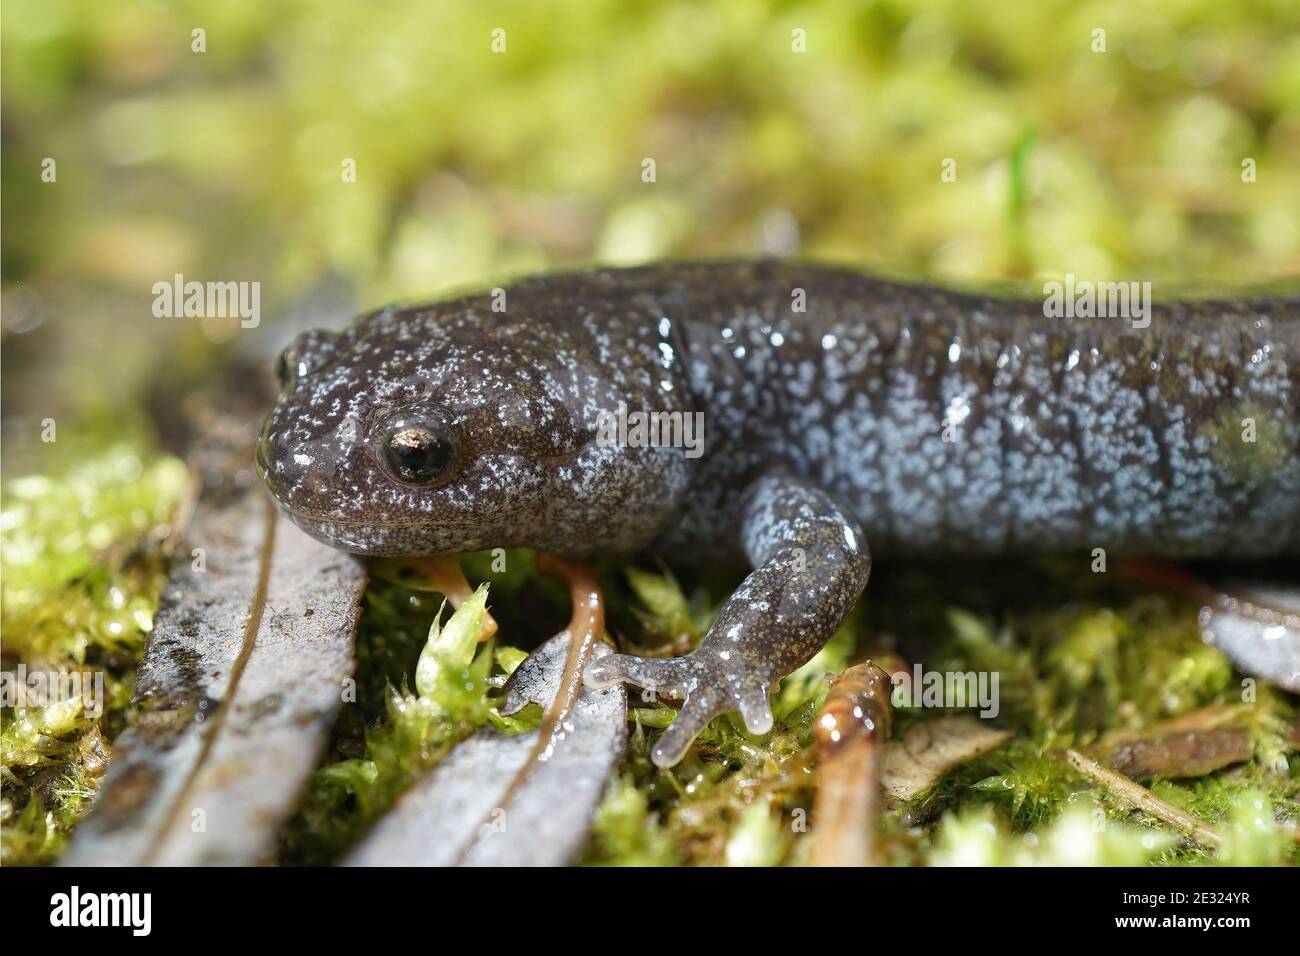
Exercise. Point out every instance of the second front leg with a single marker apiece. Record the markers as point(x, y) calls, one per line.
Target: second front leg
point(810, 562)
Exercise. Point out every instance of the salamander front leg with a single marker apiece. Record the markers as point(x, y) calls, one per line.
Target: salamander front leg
point(810, 563)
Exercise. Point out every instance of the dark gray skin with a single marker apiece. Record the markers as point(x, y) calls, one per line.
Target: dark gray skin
point(833, 402)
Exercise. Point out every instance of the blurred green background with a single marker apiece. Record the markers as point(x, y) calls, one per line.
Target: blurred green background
point(473, 166)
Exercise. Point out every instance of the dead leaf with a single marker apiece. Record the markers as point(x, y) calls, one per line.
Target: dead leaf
point(469, 811)
point(241, 681)
point(930, 749)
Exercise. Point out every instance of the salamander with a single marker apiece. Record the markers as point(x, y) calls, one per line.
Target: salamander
point(839, 414)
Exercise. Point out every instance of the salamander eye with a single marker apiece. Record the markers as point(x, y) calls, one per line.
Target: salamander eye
point(416, 449)
point(284, 366)
point(306, 353)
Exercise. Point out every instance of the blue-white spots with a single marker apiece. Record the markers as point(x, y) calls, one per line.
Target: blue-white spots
point(942, 422)
point(958, 411)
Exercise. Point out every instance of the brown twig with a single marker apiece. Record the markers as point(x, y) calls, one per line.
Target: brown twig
point(852, 726)
point(1138, 797)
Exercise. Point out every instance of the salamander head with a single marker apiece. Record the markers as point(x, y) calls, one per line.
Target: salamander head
point(441, 429)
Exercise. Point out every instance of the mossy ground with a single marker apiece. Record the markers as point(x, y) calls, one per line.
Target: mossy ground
point(1079, 655)
point(83, 566)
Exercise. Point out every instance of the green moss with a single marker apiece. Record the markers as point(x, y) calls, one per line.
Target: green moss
point(81, 572)
point(1082, 836)
point(626, 833)
point(73, 589)
point(41, 736)
point(1029, 785)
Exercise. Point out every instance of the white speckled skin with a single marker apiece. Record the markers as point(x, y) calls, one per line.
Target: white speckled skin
point(937, 421)
point(522, 390)
point(1067, 434)
point(810, 563)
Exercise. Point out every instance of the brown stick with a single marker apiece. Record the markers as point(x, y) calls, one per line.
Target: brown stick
point(444, 571)
point(850, 729)
point(1138, 797)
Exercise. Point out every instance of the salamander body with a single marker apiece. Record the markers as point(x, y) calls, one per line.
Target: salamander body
point(830, 409)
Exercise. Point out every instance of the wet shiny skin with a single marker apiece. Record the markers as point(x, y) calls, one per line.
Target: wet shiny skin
point(833, 403)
